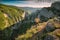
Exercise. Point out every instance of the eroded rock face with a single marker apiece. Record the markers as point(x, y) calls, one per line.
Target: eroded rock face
point(46, 13)
point(56, 32)
point(49, 27)
point(51, 37)
point(56, 5)
point(56, 8)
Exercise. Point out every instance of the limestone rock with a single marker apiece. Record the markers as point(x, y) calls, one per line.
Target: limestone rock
point(51, 37)
point(56, 5)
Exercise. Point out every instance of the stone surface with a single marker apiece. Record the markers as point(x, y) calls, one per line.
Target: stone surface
point(46, 13)
point(51, 37)
point(49, 27)
point(56, 5)
point(57, 32)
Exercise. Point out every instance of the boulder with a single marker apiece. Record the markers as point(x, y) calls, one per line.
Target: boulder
point(49, 27)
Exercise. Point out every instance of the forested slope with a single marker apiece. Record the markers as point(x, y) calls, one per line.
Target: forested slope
point(9, 15)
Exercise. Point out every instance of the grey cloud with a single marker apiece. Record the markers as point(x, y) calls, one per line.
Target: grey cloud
point(44, 0)
point(47, 0)
point(33, 0)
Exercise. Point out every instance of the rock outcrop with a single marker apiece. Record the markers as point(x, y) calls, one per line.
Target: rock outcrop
point(56, 8)
point(51, 30)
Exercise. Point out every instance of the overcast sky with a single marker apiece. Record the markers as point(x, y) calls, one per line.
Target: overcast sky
point(29, 3)
point(27, 0)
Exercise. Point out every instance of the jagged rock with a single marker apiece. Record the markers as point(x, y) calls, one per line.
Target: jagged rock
point(49, 27)
point(56, 22)
point(57, 32)
point(56, 5)
point(46, 13)
point(56, 8)
point(58, 19)
point(51, 37)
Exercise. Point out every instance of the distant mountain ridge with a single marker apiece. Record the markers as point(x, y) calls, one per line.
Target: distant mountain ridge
point(30, 9)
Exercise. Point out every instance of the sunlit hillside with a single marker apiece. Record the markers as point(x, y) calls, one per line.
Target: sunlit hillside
point(9, 15)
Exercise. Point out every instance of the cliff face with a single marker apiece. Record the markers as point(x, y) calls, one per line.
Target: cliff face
point(56, 8)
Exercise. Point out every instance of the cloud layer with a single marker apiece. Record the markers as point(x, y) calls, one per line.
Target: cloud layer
point(35, 4)
point(28, 4)
point(32, 0)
